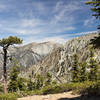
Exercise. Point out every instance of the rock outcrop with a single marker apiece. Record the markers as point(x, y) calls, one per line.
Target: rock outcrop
point(29, 55)
point(60, 61)
point(40, 58)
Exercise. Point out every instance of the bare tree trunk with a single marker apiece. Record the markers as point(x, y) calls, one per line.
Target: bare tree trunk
point(5, 70)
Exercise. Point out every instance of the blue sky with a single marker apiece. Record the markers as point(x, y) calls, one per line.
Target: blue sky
point(45, 20)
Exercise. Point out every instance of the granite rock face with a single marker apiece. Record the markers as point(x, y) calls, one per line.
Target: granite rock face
point(30, 54)
point(40, 58)
point(60, 61)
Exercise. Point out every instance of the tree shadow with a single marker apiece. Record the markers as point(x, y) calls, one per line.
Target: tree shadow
point(96, 41)
point(82, 98)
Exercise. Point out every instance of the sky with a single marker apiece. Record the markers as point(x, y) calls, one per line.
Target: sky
point(46, 20)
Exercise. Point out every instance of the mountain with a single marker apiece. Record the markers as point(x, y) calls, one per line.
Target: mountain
point(29, 54)
point(57, 59)
point(60, 61)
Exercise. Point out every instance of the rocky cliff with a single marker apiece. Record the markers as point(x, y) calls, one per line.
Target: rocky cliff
point(60, 61)
point(29, 55)
point(40, 58)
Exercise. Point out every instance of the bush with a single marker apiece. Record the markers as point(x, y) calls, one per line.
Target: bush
point(51, 89)
point(1, 88)
point(39, 82)
point(80, 88)
point(48, 79)
point(85, 88)
point(88, 87)
point(8, 96)
point(77, 88)
point(93, 89)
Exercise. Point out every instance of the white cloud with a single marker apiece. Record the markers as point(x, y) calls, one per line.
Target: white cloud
point(57, 39)
point(42, 19)
point(84, 33)
point(33, 26)
point(64, 12)
point(89, 22)
point(60, 21)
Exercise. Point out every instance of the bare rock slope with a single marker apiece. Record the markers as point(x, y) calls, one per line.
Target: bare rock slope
point(40, 58)
point(30, 54)
point(60, 61)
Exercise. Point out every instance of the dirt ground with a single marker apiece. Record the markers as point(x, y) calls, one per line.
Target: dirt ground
point(60, 96)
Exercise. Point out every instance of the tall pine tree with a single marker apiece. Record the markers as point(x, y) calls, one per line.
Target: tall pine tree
point(16, 83)
point(75, 69)
point(5, 43)
point(93, 67)
point(83, 73)
point(96, 9)
point(30, 84)
point(13, 84)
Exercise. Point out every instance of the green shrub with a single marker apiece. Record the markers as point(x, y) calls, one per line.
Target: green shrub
point(48, 79)
point(23, 93)
point(54, 82)
point(8, 96)
point(51, 89)
point(1, 88)
point(88, 87)
point(39, 82)
point(29, 93)
point(78, 88)
point(93, 89)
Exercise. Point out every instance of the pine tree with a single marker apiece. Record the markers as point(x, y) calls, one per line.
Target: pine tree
point(13, 84)
point(39, 81)
point(22, 83)
point(16, 83)
point(30, 84)
point(48, 79)
point(75, 69)
point(5, 43)
point(95, 8)
point(83, 73)
point(93, 67)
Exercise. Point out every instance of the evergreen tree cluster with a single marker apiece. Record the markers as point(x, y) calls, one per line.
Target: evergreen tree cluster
point(39, 81)
point(18, 83)
point(82, 71)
